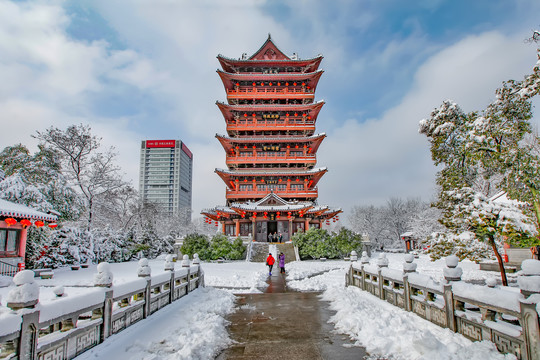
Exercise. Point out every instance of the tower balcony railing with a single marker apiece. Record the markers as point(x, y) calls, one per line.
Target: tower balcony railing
point(266, 159)
point(267, 124)
point(256, 194)
point(270, 93)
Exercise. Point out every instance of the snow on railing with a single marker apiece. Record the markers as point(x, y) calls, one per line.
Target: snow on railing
point(509, 317)
point(65, 322)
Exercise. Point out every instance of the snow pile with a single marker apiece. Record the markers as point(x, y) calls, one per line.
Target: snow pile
point(239, 276)
point(193, 327)
point(388, 331)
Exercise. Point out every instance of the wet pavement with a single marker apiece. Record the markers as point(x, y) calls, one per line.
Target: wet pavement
point(285, 324)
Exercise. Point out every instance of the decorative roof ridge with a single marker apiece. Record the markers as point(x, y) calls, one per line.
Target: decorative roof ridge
point(269, 105)
point(252, 61)
point(275, 74)
point(276, 170)
point(284, 137)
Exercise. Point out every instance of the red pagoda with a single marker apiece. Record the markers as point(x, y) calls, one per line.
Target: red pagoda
point(270, 146)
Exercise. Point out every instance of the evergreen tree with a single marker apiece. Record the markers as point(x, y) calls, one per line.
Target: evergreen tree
point(481, 154)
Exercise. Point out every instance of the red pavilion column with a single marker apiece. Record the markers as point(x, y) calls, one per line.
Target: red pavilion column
point(237, 231)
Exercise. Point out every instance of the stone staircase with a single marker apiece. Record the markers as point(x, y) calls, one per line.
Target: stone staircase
point(259, 251)
point(288, 250)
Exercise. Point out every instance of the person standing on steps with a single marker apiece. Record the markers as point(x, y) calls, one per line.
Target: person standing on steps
point(280, 239)
point(270, 262)
point(282, 263)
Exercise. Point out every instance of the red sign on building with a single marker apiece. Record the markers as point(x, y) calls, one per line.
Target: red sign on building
point(160, 143)
point(187, 151)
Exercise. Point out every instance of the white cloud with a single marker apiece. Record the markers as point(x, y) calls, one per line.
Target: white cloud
point(50, 78)
point(384, 157)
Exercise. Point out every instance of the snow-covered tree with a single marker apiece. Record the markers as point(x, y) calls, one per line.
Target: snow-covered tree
point(36, 180)
point(93, 173)
point(482, 153)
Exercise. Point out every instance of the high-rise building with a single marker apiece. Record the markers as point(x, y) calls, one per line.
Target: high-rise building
point(165, 176)
point(270, 146)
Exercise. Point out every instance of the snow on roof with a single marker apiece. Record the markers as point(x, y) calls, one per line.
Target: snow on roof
point(11, 209)
point(278, 171)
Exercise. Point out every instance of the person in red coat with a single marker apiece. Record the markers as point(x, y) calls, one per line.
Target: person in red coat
point(270, 262)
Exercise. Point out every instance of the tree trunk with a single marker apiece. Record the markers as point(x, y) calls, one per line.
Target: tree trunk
point(499, 259)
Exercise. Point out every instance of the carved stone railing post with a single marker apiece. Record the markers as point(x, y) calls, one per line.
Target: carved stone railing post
point(529, 284)
point(449, 307)
point(364, 260)
point(169, 266)
point(144, 271)
point(106, 329)
point(29, 336)
point(382, 262)
point(186, 264)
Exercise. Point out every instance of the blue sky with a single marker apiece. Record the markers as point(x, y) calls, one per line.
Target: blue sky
point(138, 70)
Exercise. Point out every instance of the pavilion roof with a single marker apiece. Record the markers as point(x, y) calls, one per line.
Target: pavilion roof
point(11, 209)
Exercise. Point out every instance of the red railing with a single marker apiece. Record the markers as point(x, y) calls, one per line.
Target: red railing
point(270, 93)
point(309, 158)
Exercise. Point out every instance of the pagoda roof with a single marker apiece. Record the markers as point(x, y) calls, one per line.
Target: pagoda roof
point(314, 76)
point(228, 175)
point(315, 140)
point(313, 108)
point(272, 203)
point(269, 55)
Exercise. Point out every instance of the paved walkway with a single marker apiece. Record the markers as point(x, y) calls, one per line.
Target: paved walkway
point(284, 324)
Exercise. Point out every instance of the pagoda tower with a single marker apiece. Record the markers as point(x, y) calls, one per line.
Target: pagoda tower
point(270, 146)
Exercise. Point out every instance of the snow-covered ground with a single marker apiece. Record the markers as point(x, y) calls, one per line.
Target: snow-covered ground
point(200, 333)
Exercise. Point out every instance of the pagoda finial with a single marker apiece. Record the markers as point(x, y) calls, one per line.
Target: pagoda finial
point(269, 36)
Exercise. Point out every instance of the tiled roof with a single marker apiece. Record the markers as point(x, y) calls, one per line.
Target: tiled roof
point(11, 209)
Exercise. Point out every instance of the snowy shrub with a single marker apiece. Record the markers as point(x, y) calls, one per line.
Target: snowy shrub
point(196, 243)
point(222, 247)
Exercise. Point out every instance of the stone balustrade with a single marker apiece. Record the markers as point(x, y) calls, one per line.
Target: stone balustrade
point(509, 317)
point(80, 318)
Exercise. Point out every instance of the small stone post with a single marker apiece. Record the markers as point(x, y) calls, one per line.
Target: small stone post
point(529, 285)
point(452, 272)
point(26, 294)
point(354, 256)
point(144, 269)
point(409, 266)
point(169, 264)
point(104, 276)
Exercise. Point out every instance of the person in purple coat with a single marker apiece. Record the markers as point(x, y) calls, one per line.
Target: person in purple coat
point(282, 263)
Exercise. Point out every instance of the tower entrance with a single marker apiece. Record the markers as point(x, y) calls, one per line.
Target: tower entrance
point(272, 228)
